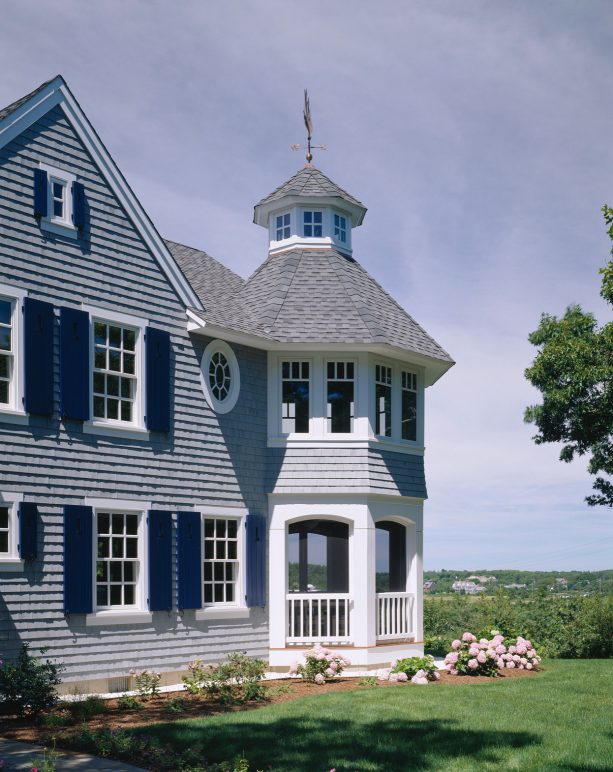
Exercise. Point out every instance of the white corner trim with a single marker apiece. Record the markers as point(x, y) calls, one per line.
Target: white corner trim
point(11, 565)
point(107, 429)
point(100, 618)
point(221, 612)
point(136, 505)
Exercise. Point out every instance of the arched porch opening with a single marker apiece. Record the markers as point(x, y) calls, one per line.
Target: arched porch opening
point(395, 606)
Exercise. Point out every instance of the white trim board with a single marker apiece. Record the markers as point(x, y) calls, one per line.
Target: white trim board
point(57, 93)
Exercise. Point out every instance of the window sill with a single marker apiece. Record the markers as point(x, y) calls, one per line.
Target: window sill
point(11, 565)
point(221, 612)
point(13, 416)
point(112, 430)
point(59, 229)
point(118, 618)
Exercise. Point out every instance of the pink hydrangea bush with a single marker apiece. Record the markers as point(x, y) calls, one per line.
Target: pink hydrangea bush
point(472, 656)
point(320, 665)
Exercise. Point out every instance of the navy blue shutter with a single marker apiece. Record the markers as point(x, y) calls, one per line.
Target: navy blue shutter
point(40, 193)
point(256, 560)
point(189, 559)
point(38, 337)
point(157, 348)
point(160, 560)
point(74, 364)
point(78, 204)
point(78, 559)
point(28, 528)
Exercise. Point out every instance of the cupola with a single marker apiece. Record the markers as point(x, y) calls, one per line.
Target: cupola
point(311, 211)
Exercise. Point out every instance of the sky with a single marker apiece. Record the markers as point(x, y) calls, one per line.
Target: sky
point(477, 133)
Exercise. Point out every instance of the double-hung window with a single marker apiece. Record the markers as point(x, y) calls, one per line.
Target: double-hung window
point(282, 226)
point(7, 350)
point(118, 560)
point(221, 567)
point(295, 397)
point(312, 224)
point(409, 406)
point(340, 399)
point(59, 206)
point(383, 400)
point(8, 530)
point(115, 372)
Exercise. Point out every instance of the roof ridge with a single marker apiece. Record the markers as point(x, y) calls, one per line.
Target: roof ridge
point(204, 252)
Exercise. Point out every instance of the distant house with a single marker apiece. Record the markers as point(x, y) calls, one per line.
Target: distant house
point(175, 437)
point(469, 588)
point(429, 585)
point(515, 586)
point(482, 579)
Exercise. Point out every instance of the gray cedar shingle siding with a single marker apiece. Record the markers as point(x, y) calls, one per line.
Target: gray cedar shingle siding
point(206, 459)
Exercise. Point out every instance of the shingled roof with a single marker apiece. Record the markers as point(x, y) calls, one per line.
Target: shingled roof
point(6, 111)
point(311, 183)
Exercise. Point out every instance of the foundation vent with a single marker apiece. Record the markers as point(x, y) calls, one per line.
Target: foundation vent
point(119, 684)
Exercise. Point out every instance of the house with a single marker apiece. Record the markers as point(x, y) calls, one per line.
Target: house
point(177, 441)
point(429, 585)
point(469, 588)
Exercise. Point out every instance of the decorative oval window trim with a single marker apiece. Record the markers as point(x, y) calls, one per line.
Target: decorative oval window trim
point(227, 403)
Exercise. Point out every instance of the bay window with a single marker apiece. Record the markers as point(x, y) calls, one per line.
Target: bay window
point(295, 397)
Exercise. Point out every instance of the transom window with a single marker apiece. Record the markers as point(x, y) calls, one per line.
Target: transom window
point(6, 350)
point(220, 376)
point(220, 560)
point(312, 224)
point(58, 198)
point(114, 376)
point(383, 400)
point(5, 530)
point(340, 397)
point(295, 397)
point(409, 406)
point(340, 228)
point(118, 561)
point(282, 223)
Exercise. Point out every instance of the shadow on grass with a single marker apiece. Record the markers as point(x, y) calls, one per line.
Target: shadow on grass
point(317, 745)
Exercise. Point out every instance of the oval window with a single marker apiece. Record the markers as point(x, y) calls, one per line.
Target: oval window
point(220, 376)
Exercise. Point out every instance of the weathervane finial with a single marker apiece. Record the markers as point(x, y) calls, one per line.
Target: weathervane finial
point(308, 122)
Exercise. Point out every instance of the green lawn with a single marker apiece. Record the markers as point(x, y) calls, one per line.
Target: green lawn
point(560, 720)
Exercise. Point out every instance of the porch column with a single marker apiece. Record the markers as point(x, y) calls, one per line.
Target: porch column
point(419, 585)
point(277, 587)
point(362, 586)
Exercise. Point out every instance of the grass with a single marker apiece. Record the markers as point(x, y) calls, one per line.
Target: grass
point(560, 720)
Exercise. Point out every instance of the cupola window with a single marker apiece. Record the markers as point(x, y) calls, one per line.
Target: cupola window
point(340, 228)
point(282, 229)
point(312, 224)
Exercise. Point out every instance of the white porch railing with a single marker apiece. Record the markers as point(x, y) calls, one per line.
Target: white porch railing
point(395, 613)
point(318, 617)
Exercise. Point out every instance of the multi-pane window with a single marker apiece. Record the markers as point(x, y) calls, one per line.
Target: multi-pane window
point(312, 224)
point(295, 397)
point(220, 559)
point(282, 226)
point(6, 350)
point(114, 377)
point(220, 376)
point(340, 397)
point(5, 530)
point(383, 400)
point(409, 406)
point(118, 559)
point(58, 199)
point(340, 228)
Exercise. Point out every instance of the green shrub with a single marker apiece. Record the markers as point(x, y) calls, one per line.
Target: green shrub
point(176, 705)
point(147, 683)
point(412, 665)
point(127, 702)
point(85, 709)
point(237, 679)
point(28, 686)
point(368, 681)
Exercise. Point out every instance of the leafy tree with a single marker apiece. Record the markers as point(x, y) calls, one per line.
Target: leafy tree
point(574, 371)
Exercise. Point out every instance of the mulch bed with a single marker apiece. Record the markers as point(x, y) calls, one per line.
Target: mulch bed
point(156, 710)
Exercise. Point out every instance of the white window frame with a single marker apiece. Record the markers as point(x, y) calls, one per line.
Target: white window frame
point(239, 608)
point(10, 561)
point(136, 428)
point(63, 226)
point(276, 228)
point(308, 361)
point(404, 371)
point(138, 613)
point(14, 410)
point(313, 224)
point(225, 405)
point(356, 372)
point(346, 230)
point(393, 386)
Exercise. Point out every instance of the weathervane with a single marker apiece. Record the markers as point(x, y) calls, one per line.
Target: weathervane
point(309, 127)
